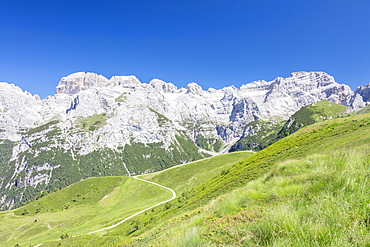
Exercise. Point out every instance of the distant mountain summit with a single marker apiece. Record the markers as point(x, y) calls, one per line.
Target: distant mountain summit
point(145, 126)
point(77, 82)
point(361, 97)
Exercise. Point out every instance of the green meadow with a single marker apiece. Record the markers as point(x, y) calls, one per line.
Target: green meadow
point(193, 174)
point(321, 200)
point(97, 203)
point(86, 206)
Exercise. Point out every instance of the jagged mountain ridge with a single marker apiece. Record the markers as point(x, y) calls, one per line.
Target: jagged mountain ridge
point(132, 123)
point(86, 94)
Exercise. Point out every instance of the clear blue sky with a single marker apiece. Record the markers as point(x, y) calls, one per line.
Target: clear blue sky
point(214, 43)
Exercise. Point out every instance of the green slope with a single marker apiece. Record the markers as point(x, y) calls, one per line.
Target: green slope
point(320, 200)
point(321, 111)
point(322, 138)
point(261, 134)
point(364, 110)
point(83, 207)
point(191, 175)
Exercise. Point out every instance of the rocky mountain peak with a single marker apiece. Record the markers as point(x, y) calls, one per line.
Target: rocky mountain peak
point(82, 95)
point(79, 81)
point(361, 97)
point(160, 85)
point(304, 74)
point(193, 88)
point(364, 91)
point(17, 108)
point(124, 80)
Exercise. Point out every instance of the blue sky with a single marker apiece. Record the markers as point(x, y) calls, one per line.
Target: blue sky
point(213, 43)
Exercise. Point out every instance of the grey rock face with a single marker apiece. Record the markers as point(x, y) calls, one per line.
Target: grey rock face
point(360, 97)
point(82, 95)
point(18, 110)
point(77, 82)
point(364, 91)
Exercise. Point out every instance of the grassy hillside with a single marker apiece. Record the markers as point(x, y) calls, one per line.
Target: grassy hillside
point(314, 113)
point(183, 178)
point(325, 137)
point(99, 202)
point(364, 110)
point(92, 123)
point(321, 137)
point(261, 134)
point(321, 200)
point(83, 207)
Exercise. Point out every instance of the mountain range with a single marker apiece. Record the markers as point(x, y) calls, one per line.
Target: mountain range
point(94, 126)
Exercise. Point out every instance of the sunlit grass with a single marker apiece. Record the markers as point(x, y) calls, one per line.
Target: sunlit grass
point(101, 210)
point(99, 202)
point(321, 200)
point(193, 174)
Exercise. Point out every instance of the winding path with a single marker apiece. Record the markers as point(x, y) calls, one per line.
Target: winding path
point(132, 216)
point(142, 211)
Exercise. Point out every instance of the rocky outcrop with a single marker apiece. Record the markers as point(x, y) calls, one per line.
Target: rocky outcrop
point(77, 82)
point(361, 97)
point(18, 111)
point(161, 86)
point(364, 91)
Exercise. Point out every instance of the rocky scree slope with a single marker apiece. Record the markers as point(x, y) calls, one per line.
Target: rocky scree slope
point(94, 126)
